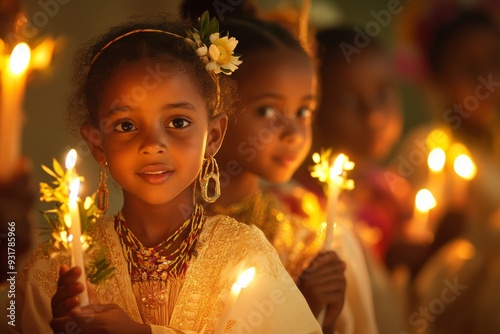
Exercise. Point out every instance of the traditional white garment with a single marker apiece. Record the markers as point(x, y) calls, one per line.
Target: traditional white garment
point(270, 304)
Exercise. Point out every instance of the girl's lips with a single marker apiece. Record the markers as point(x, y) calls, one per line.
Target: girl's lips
point(155, 177)
point(286, 161)
point(155, 174)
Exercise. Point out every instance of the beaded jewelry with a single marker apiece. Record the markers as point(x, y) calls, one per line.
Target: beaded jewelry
point(156, 263)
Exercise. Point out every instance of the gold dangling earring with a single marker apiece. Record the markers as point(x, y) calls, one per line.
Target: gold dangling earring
point(102, 197)
point(209, 170)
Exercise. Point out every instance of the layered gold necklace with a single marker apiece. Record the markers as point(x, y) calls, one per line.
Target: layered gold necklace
point(156, 263)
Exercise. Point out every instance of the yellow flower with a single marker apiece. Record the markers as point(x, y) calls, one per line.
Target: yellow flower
point(221, 52)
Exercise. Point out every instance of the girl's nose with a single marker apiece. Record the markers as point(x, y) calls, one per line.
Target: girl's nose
point(153, 143)
point(293, 132)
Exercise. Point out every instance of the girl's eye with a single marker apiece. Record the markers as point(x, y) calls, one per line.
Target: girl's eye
point(178, 123)
point(268, 112)
point(304, 113)
point(125, 126)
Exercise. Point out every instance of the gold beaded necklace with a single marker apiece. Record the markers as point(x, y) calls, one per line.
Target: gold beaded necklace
point(154, 263)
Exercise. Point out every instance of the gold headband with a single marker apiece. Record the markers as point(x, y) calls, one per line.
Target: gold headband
point(128, 34)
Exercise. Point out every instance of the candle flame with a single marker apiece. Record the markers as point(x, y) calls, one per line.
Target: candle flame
point(338, 166)
point(436, 159)
point(246, 277)
point(236, 288)
point(71, 159)
point(74, 187)
point(334, 173)
point(425, 201)
point(20, 58)
point(465, 167)
point(70, 237)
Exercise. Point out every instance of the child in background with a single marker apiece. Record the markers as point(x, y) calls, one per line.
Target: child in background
point(153, 111)
point(269, 139)
point(359, 114)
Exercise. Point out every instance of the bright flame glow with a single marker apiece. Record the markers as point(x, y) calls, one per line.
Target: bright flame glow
point(425, 201)
point(246, 277)
point(71, 159)
point(316, 157)
point(438, 138)
point(74, 187)
point(20, 58)
point(465, 167)
point(338, 166)
point(42, 54)
point(70, 237)
point(236, 288)
point(436, 159)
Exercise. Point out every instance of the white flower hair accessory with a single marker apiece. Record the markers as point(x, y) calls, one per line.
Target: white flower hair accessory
point(215, 51)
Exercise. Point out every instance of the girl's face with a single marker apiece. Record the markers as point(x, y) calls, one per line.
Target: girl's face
point(272, 132)
point(360, 106)
point(154, 131)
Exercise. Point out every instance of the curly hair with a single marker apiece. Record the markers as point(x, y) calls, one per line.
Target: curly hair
point(92, 73)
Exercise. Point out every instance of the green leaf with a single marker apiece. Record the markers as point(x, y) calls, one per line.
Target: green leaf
point(212, 27)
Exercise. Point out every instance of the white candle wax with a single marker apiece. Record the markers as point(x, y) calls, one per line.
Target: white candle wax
point(76, 244)
point(229, 306)
point(333, 197)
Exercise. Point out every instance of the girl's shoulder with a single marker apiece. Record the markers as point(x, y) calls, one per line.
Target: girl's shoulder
point(229, 229)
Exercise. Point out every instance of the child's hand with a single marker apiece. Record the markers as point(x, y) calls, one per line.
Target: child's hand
point(108, 318)
point(323, 285)
point(66, 297)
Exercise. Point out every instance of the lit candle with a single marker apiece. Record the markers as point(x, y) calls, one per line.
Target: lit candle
point(242, 282)
point(334, 176)
point(424, 202)
point(13, 78)
point(75, 229)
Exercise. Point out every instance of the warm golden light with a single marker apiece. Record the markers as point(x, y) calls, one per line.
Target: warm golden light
point(465, 167)
point(74, 187)
point(337, 168)
point(71, 159)
point(425, 201)
point(316, 157)
point(67, 220)
point(20, 58)
point(42, 54)
point(438, 138)
point(465, 250)
point(436, 159)
point(246, 277)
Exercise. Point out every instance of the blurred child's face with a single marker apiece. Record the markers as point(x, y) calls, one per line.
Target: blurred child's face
point(469, 60)
point(154, 131)
point(360, 108)
point(272, 133)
